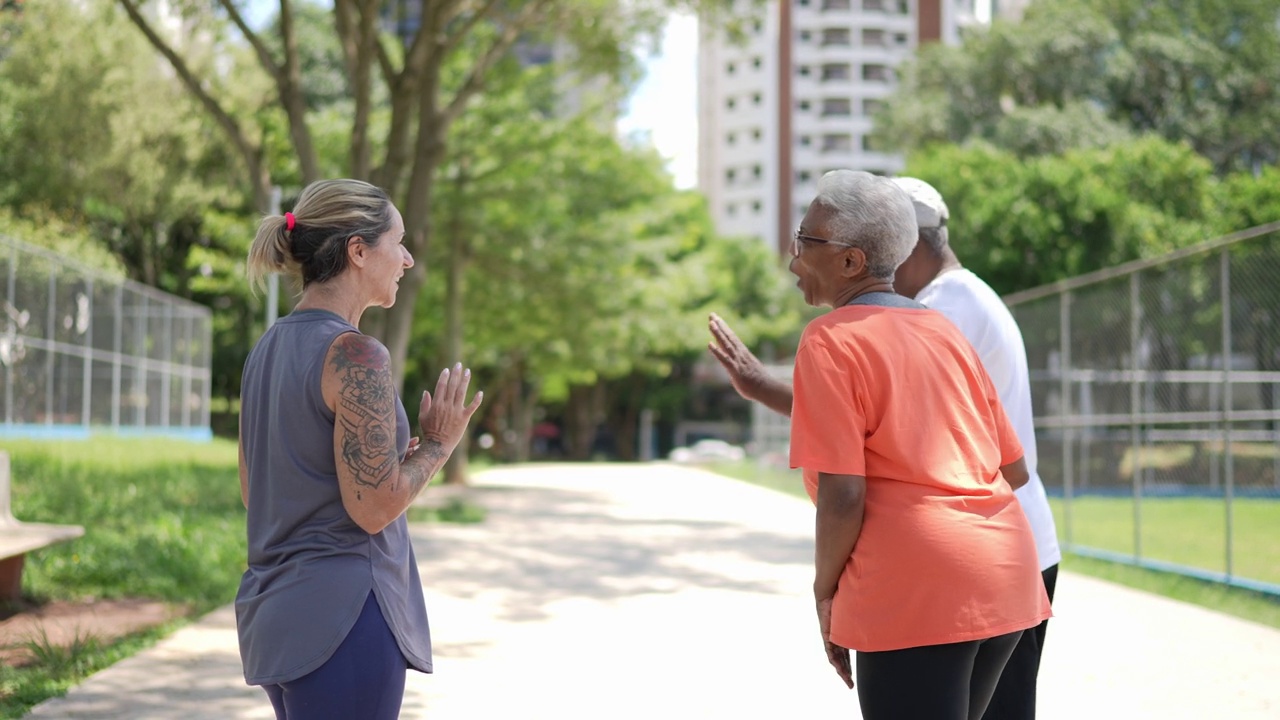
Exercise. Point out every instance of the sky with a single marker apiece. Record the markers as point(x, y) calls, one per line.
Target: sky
point(665, 103)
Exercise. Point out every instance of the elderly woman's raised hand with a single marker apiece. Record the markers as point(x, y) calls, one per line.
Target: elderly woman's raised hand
point(746, 372)
point(445, 415)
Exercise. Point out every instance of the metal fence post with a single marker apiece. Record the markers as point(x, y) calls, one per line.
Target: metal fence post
point(50, 328)
point(117, 346)
point(166, 376)
point(1064, 406)
point(86, 392)
point(1228, 459)
point(188, 345)
point(206, 417)
point(12, 326)
point(1135, 400)
point(139, 396)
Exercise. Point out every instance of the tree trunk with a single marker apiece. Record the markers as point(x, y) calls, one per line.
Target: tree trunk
point(420, 227)
point(398, 323)
point(578, 430)
point(524, 420)
point(625, 418)
point(455, 471)
point(289, 84)
point(582, 419)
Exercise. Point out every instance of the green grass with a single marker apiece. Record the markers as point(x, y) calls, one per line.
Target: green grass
point(1241, 603)
point(456, 510)
point(1187, 531)
point(59, 669)
point(774, 478)
point(163, 520)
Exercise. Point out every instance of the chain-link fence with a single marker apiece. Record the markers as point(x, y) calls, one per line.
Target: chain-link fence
point(82, 350)
point(1155, 387)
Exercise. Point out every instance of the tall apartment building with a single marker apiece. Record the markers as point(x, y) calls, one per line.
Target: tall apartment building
point(795, 99)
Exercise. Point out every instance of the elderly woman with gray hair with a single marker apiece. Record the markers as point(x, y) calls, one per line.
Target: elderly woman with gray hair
point(924, 562)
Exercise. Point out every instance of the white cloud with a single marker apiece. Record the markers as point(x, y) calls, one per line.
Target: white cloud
point(665, 104)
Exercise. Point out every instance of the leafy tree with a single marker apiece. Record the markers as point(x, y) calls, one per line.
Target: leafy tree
point(120, 150)
point(1088, 73)
point(1020, 223)
point(47, 230)
point(106, 161)
point(447, 53)
point(1249, 201)
point(586, 276)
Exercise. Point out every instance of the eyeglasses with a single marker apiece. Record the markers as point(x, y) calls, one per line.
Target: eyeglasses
point(797, 237)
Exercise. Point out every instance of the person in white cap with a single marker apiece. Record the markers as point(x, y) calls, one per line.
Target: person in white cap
point(933, 275)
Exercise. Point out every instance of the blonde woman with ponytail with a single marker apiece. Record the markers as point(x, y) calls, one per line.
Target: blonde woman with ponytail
point(330, 612)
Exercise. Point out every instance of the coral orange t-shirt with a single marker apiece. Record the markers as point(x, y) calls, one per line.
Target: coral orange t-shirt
point(945, 555)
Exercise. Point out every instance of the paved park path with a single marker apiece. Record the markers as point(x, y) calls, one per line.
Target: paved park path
point(632, 591)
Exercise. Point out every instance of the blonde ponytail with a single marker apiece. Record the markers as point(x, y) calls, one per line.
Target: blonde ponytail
point(270, 252)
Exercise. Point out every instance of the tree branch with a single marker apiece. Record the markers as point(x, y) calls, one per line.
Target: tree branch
point(456, 38)
point(419, 62)
point(362, 87)
point(343, 24)
point(479, 72)
point(384, 62)
point(264, 54)
point(249, 152)
point(289, 83)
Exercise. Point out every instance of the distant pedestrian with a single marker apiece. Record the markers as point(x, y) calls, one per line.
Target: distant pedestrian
point(924, 561)
point(330, 611)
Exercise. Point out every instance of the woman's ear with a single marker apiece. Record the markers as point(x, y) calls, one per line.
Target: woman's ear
point(855, 263)
point(357, 251)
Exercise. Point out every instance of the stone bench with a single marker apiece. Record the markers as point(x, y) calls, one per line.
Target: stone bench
point(19, 538)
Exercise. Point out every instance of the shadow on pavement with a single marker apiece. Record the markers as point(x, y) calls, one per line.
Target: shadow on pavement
point(542, 545)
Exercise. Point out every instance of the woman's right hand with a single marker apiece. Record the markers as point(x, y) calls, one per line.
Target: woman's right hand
point(444, 417)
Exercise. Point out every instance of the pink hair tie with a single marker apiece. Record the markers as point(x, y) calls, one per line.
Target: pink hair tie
point(289, 221)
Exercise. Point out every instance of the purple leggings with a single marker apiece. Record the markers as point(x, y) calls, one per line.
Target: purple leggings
point(364, 678)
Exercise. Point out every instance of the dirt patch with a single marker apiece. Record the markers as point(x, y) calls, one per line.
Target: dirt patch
point(61, 623)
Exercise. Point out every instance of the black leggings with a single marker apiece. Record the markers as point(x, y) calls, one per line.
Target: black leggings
point(1015, 695)
point(933, 682)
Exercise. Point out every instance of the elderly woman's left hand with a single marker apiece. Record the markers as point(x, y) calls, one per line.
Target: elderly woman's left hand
point(836, 655)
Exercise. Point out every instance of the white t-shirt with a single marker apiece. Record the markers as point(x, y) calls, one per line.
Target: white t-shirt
point(984, 319)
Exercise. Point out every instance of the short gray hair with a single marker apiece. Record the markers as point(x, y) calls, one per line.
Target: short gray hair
point(935, 238)
point(872, 214)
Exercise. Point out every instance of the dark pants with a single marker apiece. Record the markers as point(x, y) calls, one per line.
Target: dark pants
point(1015, 697)
point(363, 680)
point(932, 682)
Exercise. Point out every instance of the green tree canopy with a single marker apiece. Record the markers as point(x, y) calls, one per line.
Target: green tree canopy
point(1088, 73)
point(1021, 222)
point(577, 259)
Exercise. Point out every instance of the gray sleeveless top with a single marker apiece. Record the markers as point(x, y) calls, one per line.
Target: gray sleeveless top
point(311, 568)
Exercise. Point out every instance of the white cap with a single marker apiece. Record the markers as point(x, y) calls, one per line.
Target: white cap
point(931, 211)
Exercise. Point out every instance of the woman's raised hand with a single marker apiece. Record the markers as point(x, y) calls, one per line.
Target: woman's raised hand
point(444, 416)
